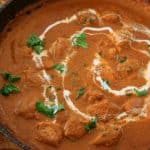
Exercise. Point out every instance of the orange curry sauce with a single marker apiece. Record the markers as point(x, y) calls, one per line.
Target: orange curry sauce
point(76, 75)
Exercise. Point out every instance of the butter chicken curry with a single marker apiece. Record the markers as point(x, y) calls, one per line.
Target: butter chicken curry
point(76, 75)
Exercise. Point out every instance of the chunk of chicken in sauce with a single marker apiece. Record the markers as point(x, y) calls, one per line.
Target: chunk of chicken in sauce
point(49, 133)
point(105, 110)
point(88, 19)
point(133, 105)
point(108, 137)
point(94, 96)
point(74, 127)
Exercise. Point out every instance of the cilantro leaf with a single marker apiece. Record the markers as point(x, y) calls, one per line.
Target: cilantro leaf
point(61, 68)
point(80, 40)
point(8, 89)
point(141, 93)
point(36, 43)
point(91, 125)
point(9, 77)
point(49, 111)
point(81, 92)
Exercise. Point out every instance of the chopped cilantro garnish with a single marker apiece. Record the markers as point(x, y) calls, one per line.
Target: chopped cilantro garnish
point(61, 68)
point(49, 111)
point(80, 93)
point(8, 89)
point(9, 77)
point(80, 40)
point(91, 125)
point(35, 43)
point(121, 59)
point(141, 93)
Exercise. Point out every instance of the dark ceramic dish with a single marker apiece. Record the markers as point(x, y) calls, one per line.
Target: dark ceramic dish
point(11, 8)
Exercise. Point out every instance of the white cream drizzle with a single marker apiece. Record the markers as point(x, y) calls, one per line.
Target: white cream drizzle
point(140, 28)
point(46, 76)
point(141, 41)
point(97, 29)
point(38, 58)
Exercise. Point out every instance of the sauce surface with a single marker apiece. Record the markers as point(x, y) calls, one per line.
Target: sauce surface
point(76, 75)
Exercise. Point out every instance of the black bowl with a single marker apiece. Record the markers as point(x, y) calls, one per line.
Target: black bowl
point(10, 9)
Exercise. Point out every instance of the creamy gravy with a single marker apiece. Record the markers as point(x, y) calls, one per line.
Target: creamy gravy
point(107, 79)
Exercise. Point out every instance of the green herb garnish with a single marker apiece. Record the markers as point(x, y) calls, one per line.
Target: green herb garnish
point(141, 93)
point(121, 59)
point(80, 40)
point(36, 43)
point(49, 111)
point(9, 77)
point(8, 89)
point(91, 125)
point(61, 68)
point(81, 92)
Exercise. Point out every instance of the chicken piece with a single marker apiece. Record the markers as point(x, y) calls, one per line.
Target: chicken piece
point(107, 47)
point(109, 137)
point(49, 133)
point(88, 19)
point(128, 66)
point(111, 18)
point(26, 107)
point(59, 49)
point(94, 96)
point(105, 110)
point(133, 103)
point(112, 52)
point(31, 77)
point(74, 128)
